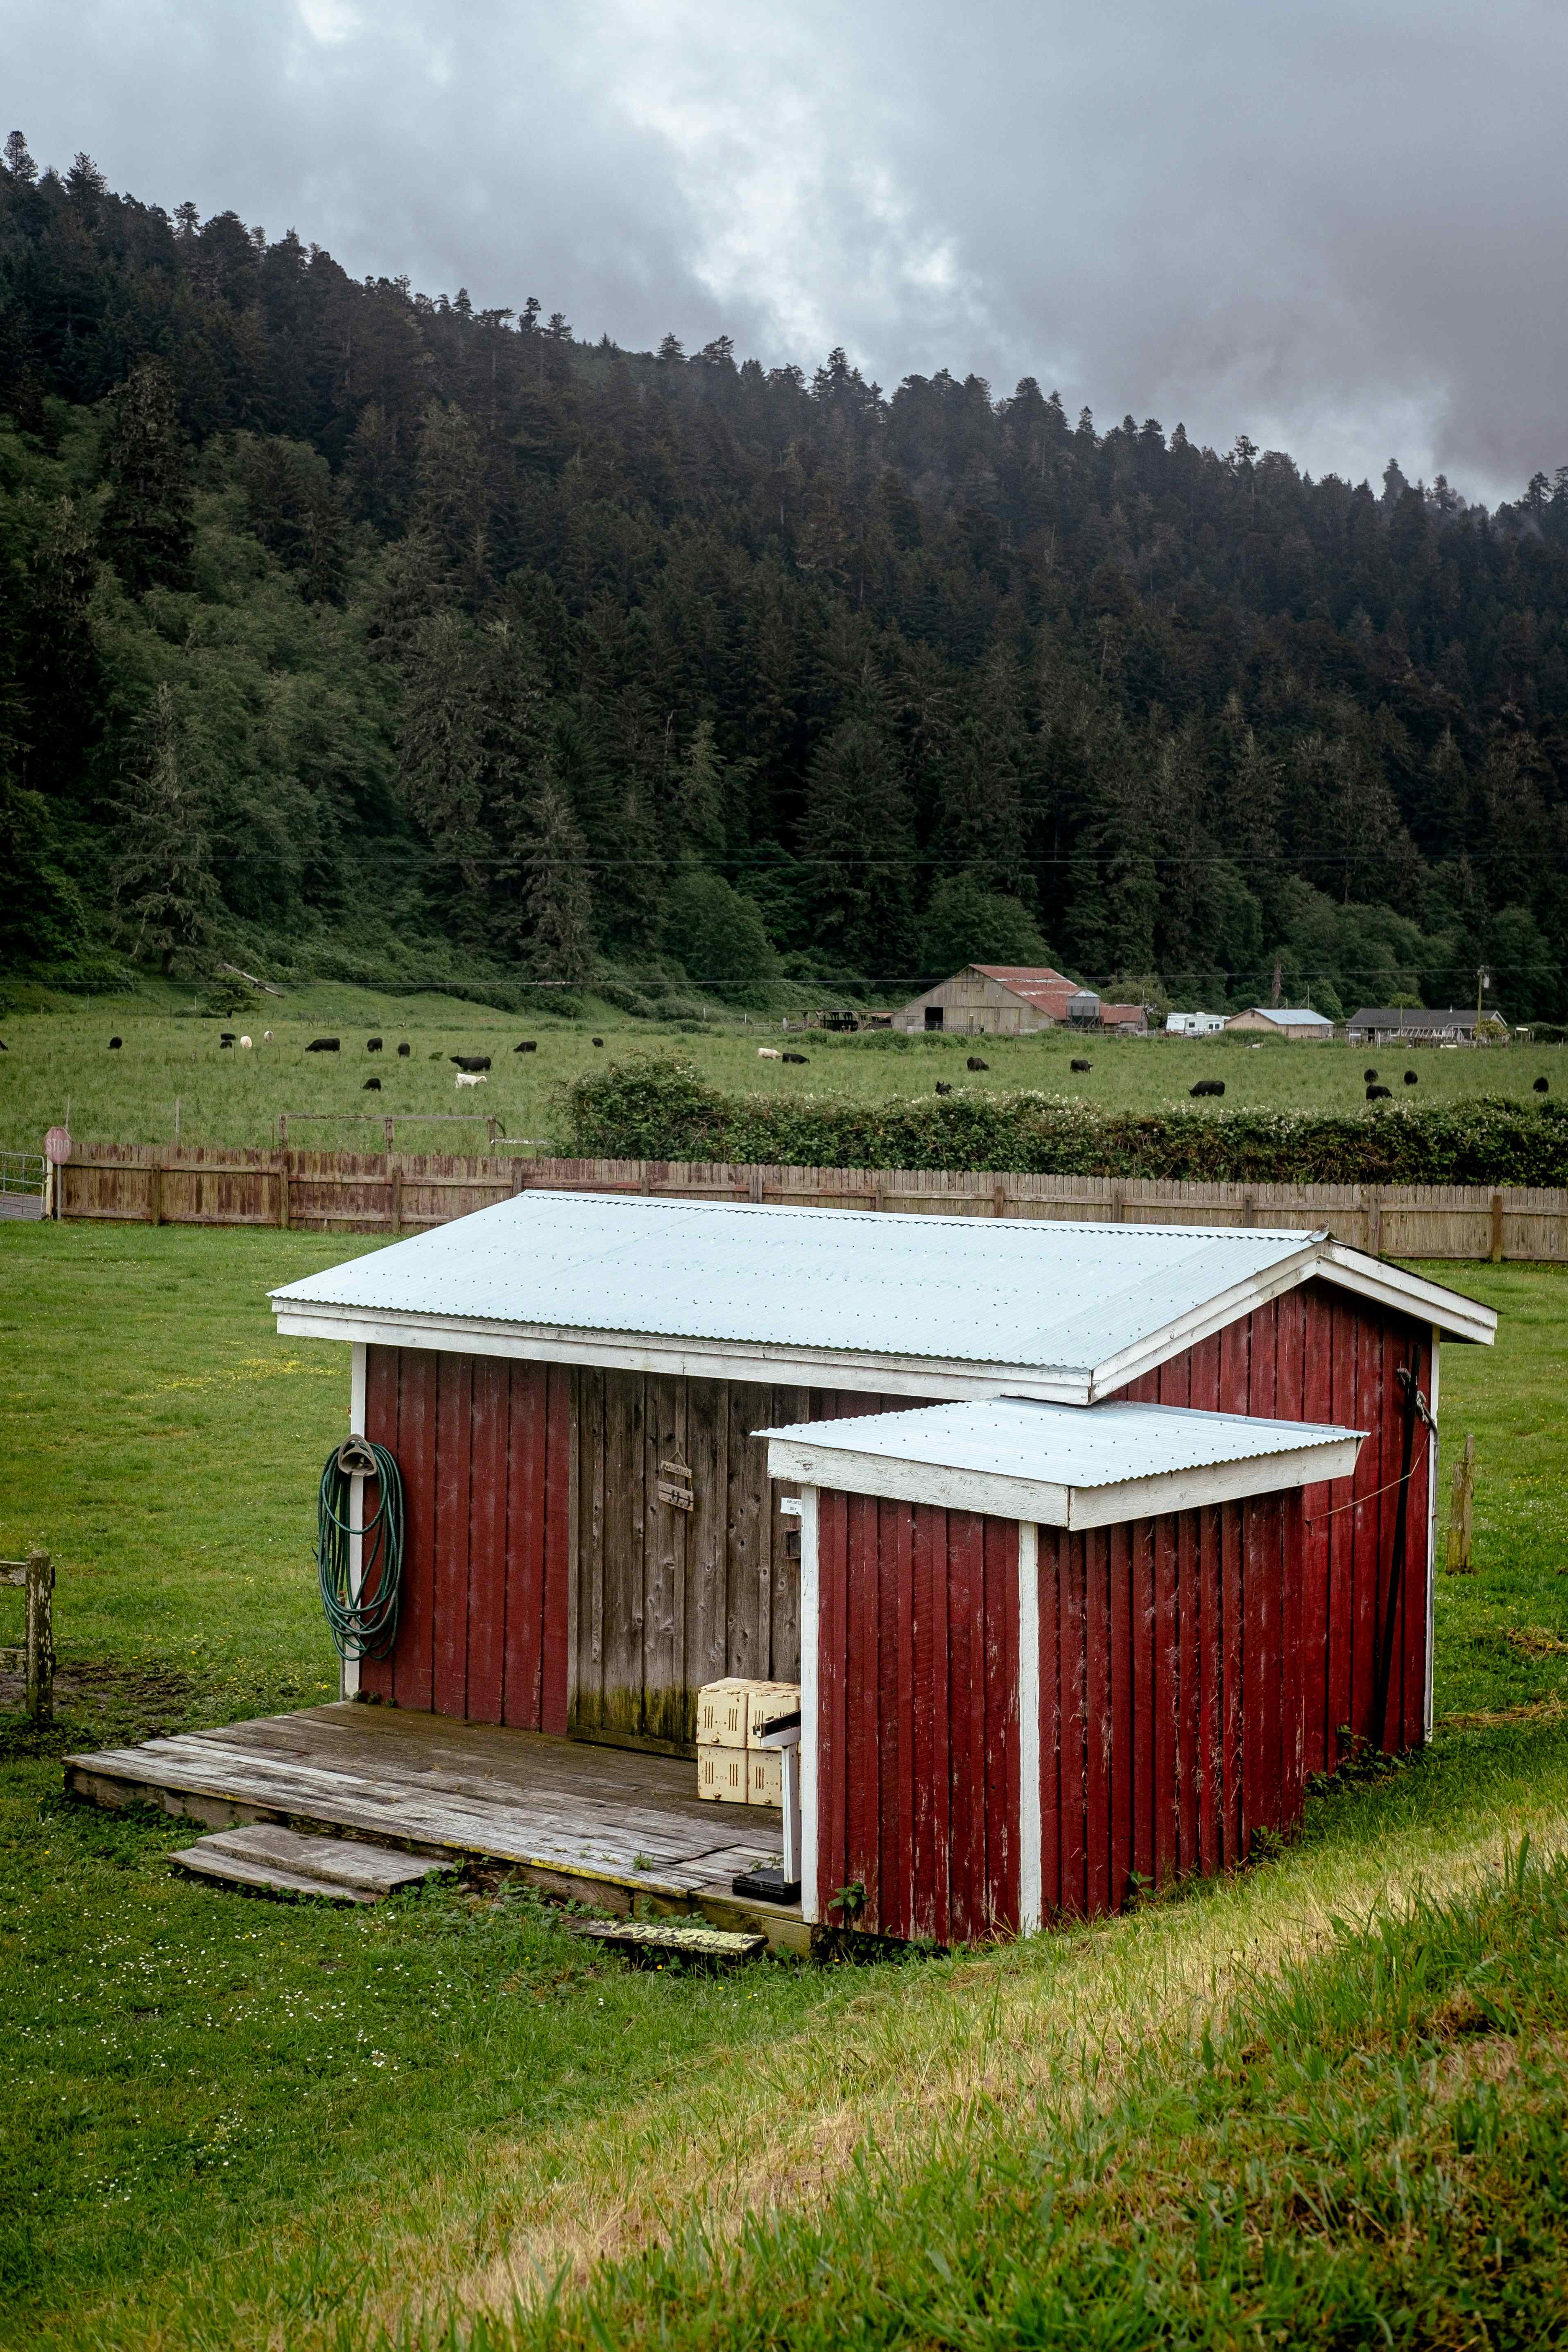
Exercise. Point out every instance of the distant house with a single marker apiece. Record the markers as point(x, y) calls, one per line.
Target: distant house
point(1419, 1025)
point(1012, 1001)
point(1299, 1023)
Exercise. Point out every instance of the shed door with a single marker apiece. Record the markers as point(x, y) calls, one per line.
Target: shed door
point(668, 1599)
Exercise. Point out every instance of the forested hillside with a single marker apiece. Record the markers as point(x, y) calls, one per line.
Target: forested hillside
point(380, 637)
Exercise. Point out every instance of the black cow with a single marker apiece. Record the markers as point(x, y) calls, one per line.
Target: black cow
point(529, 1045)
point(1411, 1079)
point(372, 1045)
point(471, 1062)
point(226, 1039)
point(1543, 1086)
point(371, 1087)
point(1369, 1075)
point(597, 1041)
point(404, 1050)
point(114, 1045)
point(1081, 1068)
point(1378, 1094)
point(974, 1063)
point(942, 1089)
point(794, 1057)
point(1207, 1087)
point(322, 1046)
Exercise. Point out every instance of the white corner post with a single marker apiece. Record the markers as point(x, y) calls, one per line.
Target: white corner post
point(1431, 1534)
point(1031, 1905)
point(809, 1638)
point(348, 1676)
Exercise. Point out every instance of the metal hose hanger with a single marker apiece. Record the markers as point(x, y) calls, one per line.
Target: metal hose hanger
point(363, 1622)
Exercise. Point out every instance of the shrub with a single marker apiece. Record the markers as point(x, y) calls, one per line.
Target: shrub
point(657, 1107)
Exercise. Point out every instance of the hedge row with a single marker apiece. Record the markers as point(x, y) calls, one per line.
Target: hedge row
point(659, 1108)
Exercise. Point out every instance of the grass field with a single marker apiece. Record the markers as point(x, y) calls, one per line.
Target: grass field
point(59, 1062)
point(229, 2122)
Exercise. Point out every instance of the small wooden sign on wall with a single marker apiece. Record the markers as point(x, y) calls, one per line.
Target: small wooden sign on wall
point(674, 1486)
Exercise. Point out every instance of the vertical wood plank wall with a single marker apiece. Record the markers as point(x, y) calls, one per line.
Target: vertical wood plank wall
point(669, 1600)
point(918, 1751)
point(1321, 1354)
point(1170, 1698)
point(482, 1446)
point(533, 1516)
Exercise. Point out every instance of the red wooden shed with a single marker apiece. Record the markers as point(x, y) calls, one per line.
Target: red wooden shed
point(1045, 1650)
point(571, 1385)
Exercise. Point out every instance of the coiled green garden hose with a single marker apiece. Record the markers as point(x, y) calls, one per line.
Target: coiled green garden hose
point(363, 1626)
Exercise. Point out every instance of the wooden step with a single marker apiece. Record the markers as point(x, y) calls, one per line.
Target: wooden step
point(334, 1870)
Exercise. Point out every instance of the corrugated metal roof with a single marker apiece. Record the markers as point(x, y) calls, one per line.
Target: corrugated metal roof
point(1048, 990)
point(947, 1289)
point(1062, 1444)
point(1284, 1017)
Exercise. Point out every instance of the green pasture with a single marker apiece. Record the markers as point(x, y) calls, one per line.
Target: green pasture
point(230, 2121)
point(59, 1062)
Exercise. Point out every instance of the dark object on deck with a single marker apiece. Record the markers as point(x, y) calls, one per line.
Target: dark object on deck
point(1379, 1094)
point(1207, 1087)
point(529, 1045)
point(471, 1062)
point(941, 1088)
point(793, 1057)
point(371, 1087)
point(1369, 1075)
point(404, 1050)
point(1411, 1079)
point(226, 1039)
point(1543, 1086)
point(974, 1063)
point(766, 1887)
point(372, 1045)
point(322, 1046)
point(114, 1045)
point(597, 1041)
point(1075, 1064)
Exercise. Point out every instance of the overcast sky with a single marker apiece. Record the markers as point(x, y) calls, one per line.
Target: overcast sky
point(1341, 229)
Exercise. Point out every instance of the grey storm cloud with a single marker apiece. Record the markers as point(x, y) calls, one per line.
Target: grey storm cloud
point(1339, 229)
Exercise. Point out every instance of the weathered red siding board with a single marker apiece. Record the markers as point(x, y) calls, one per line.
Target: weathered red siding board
point(1196, 1631)
point(482, 1627)
point(1320, 1354)
point(918, 1742)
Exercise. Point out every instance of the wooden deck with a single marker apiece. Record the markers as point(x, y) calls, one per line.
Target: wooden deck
point(602, 1824)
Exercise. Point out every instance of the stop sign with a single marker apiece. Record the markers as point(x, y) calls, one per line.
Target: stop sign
point(57, 1145)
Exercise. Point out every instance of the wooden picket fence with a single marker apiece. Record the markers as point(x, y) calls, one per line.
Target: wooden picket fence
point(323, 1192)
point(33, 1660)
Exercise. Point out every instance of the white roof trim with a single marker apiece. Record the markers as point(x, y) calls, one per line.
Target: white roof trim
point(833, 1455)
point(709, 1359)
point(1454, 1315)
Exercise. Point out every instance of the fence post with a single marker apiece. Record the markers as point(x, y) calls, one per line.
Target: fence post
point(1463, 1496)
point(40, 1638)
point(1497, 1229)
point(396, 1199)
point(155, 1193)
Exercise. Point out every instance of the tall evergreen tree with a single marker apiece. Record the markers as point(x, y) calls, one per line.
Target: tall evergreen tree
point(147, 531)
point(164, 890)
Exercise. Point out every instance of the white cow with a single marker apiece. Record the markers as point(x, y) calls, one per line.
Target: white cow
point(472, 1078)
point(769, 1054)
point(246, 1043)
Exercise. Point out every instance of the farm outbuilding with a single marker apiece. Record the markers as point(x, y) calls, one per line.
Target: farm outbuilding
point(1298, 1025)
point(573, 1388)
point(1011, 1000)
point(1046, 1649)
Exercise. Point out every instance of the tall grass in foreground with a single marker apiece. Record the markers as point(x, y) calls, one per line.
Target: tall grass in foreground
point(1373, 2150)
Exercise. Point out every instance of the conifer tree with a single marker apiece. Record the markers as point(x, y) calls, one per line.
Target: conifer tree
point(146, 531)
point(165, 892)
